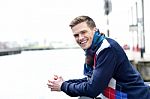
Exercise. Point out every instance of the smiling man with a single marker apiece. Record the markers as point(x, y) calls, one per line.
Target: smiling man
point(83, 34)
point(109, 73)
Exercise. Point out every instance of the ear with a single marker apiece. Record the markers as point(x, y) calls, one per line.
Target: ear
point(95, 29)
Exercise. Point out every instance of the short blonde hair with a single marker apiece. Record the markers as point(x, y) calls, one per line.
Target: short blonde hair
point(81, 19)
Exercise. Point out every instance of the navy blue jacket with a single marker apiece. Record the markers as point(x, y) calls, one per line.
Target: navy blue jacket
point(111, 62)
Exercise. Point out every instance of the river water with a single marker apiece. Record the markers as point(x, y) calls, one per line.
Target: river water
point(25, 75)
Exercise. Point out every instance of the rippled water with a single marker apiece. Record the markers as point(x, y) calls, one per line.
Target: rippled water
point(25, 75)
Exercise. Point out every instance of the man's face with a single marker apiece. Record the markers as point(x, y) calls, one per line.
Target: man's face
point(83, 35)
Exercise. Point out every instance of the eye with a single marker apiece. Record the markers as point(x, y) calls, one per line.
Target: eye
point(83, 32)
point(76, 35)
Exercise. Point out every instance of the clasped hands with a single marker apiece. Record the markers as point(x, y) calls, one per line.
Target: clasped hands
point(55, 83)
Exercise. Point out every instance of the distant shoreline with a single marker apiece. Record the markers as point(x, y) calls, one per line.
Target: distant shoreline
point(12, 51)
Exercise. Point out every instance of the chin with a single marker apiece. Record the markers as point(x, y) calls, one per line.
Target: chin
point(86, 47)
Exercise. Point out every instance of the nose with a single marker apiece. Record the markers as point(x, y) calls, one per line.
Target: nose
point(80, 36)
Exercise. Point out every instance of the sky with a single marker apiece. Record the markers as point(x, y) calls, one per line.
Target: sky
point(49, 19)
point(41, 18)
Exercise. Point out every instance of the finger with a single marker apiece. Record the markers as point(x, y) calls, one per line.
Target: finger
point(55, 77)
point(49, 81)
point(60, 77)
point(50, 84)
point(53, 89)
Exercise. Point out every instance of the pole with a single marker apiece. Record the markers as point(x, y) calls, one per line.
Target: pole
point(107, 26)
point(108, 9)
point(143, 34)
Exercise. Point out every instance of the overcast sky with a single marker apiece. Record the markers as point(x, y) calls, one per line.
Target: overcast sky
point(38, 19)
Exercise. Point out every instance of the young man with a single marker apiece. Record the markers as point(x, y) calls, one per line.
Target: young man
point(109, 72)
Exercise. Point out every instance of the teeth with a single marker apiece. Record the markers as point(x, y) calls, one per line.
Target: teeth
point(83, 42)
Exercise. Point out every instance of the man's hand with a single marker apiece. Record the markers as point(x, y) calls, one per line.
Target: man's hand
point(55, 83)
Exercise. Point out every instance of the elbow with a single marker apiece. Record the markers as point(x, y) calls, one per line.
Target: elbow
point(93, 93)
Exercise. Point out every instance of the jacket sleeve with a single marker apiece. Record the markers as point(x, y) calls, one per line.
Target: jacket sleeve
point(77, 80)
point(102, 74)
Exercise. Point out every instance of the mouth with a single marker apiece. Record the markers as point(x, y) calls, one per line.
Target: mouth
point(83, 43)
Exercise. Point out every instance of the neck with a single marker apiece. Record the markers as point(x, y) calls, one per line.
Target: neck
point(97, 40)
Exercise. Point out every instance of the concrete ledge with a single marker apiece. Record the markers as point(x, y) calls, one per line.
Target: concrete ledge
point(143, 66)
